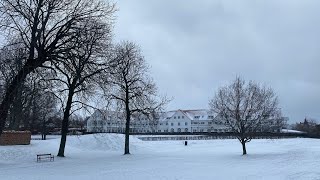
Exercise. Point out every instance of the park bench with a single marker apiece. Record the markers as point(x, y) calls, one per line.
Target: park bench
point(45, 156)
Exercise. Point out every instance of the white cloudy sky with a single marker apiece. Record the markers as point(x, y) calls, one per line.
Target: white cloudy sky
point(196, 46)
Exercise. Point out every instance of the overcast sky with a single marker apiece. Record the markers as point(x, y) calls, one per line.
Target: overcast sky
point(196, 46)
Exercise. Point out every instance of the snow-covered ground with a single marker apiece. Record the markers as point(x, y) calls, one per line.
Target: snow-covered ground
point(97, 157)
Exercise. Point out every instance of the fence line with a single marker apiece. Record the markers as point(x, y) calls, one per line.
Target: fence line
point(221, 136)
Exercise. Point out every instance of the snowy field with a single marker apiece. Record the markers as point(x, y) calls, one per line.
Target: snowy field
point(97, 157)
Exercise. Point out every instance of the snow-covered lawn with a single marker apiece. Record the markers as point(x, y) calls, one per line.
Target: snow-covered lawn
point(94, 157)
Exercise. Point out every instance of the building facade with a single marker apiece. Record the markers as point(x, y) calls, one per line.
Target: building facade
point(191, 121)
point(171, 121)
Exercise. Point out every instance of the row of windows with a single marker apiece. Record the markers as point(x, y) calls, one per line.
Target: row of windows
point(94, 123)
point(200, 122)
point(194, 130)
point(197, 117)
point(172, 124)
point(210, 130)
point(220, 123)
point(176, 117)
point(172, 130)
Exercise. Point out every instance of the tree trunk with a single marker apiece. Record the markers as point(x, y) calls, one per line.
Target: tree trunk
point(126, 144)
point(65, 124)
point(244, 150)
point(127, 133)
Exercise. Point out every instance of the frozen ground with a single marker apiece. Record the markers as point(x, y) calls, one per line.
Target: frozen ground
point(97, 157)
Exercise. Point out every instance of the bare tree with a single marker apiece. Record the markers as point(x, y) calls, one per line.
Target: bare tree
point(246, 108)
point(11, 58)
point(44, 27)
point(29, 103)
point(132, 88)
point(77, 74)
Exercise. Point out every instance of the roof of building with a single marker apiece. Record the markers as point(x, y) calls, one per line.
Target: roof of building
point(195, 114)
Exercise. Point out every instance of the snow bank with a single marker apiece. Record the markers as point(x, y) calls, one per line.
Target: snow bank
point(100, 142)
point(292, 131)
point(75, 144)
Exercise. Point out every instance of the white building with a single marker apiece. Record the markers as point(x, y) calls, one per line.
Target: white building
point(171, 121)
point(177, 121)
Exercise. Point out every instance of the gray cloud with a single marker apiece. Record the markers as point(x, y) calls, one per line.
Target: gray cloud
point(194, 47)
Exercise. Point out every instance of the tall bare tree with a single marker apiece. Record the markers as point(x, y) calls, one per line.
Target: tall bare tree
point(44, 27)
point(78, 72)
point(132, 88)
point(246, 108)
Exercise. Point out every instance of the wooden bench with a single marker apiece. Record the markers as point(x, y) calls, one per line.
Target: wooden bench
point(40, 157)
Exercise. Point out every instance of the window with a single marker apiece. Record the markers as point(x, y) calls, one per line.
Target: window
point(167, 123)
point(210, 117)
point(168, 117)
point(178, 124)
point(159, 130)
point(179, 130)
point(178, 117)
point(197, 117)
point(186, 123)
point(186, 130)
point(209, 122)
point(182, 117)
point(201, 130)
point(174, 117)
point(160, 124)
point(171, 124)
point(172, 130)
point(194, 130)
point(202, 123)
